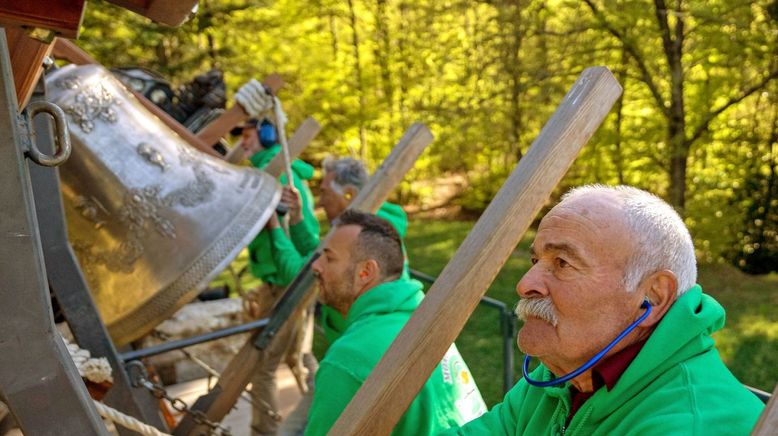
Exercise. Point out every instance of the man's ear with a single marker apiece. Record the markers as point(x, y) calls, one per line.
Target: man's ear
point(349, 192)
point(661, 290)
point(368, 272)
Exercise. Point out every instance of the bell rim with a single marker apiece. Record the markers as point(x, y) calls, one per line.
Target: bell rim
point(243, 229)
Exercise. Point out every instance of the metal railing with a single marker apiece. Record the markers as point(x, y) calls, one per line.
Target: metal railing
point(507, 328)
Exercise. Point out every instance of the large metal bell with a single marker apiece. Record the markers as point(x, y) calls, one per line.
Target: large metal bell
point(151, 219)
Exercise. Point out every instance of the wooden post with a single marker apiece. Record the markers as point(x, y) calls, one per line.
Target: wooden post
point(220, 400)
point(65, 49)
point(768, 420)
point(27, 56)
point(408, 362)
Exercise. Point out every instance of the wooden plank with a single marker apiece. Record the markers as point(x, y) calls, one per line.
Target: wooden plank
point(168, 12)
point(768, 420)
point(217, 403)
point(234, 115)
point(69, 51)
point(27, 56)
point(61, 16)
point(408, 362)
point(297, 143)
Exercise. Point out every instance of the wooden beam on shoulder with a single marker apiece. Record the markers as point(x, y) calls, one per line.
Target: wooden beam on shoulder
point(419, 347)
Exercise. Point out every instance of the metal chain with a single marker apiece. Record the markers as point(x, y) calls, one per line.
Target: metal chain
point(140, 378)
point(245, 395)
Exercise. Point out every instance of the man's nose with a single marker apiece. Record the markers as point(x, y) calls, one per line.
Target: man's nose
point(316, 266)
point(533, 283)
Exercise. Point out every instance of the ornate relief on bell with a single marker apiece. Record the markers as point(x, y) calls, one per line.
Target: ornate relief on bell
point(151, 219)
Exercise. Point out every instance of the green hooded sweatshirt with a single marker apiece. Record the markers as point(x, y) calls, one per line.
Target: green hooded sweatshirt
point(273, 264)
point(332, 321)
point(449, 397)
point(676, 385)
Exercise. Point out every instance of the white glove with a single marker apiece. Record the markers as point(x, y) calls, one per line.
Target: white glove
point(253, 98)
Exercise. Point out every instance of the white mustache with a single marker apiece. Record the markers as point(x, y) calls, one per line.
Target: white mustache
point(542, 308)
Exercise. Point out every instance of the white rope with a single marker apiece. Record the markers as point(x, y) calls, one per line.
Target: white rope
point(98, 370)
point(281, 119)
point(94, 369)
point(126, 421)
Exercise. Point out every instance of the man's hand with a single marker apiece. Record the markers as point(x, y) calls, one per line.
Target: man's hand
point(273, 222)
point(253, 98)
point(290, 196)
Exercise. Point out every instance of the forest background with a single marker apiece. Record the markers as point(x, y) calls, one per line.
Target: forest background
point(697, 123)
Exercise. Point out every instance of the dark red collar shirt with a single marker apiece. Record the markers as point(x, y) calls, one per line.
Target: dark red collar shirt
point(606, 373)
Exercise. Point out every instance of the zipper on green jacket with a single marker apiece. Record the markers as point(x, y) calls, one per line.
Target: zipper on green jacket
point(560, 416)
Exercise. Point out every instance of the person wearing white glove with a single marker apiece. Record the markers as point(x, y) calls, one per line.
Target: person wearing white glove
point(254, 98)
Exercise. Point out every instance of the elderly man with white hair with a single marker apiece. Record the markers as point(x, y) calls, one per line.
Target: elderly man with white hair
point(611, 310)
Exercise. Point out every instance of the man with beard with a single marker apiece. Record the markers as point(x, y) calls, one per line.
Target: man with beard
point(611, 310)
point(360, 275)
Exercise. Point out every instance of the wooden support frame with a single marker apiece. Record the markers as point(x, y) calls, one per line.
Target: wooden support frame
point(37, 375)
point(171, 13)
point(220, 400)
point(27, 55)
point(408, 362)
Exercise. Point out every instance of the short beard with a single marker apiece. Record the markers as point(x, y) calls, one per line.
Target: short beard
point(542, 308)
point(338, 295)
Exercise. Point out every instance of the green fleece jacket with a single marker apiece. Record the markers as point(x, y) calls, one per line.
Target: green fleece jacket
point(332, 321)
point(449, 397)
point(272, 256)
point(677, 385)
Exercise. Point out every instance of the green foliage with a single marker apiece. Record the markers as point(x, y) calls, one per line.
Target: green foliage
point(487, 75)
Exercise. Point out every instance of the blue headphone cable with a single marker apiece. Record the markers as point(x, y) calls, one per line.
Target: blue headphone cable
point(593, 361)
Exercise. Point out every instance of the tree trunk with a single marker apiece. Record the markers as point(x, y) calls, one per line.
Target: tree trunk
point(514, 36)
point(383, 56)
point(672, 43)
point(358, 81)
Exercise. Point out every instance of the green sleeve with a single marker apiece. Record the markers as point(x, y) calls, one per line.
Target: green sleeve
point(305, 235)
point(288, 260)
point(334, 389)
